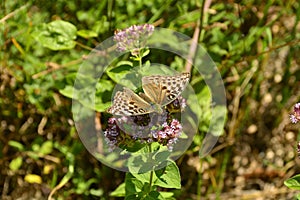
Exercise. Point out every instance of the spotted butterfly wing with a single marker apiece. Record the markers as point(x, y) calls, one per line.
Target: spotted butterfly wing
point(127, 103)
point(162, 90)
point(159, 91)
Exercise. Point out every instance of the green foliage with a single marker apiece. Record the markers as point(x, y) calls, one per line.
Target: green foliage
point(16, 163)
point(56, 35)
point(43, 44)
point(293, 182)
point(138, 186)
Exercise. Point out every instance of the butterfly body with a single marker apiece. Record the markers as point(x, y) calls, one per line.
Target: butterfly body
point(158, 92)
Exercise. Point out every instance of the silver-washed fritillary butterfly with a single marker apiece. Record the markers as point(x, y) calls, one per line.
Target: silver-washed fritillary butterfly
point(159, 91)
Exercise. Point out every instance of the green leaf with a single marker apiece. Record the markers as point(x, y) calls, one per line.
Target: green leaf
point(56, 35)
point(33, 155)
point(162, 156)
point(83, 186)
point(104, 85)
point(144, 177)
point(123, 75)
point(46, 148)
point(154, 195)
point(91, 94)
point(123, 63)
point(132, 197)
point(132, 184)
point(153, 69)
point(119, 191)
point(16, 144)
point(16, 163)
point(169, 177)
point(146, 52)
point(67, 91)
point(167, 195)
point(87, 33)
point(293, 183)
point(143, 161)
point(96, 192)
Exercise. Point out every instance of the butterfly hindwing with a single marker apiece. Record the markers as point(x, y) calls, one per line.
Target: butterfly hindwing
point(127, 103)
point(152, 89)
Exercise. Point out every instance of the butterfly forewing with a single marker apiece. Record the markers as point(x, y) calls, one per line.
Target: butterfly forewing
point(163, 90)
point(158, 92)
point(127, 103)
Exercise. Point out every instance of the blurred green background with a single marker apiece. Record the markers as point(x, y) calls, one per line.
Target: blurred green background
point(255, 45)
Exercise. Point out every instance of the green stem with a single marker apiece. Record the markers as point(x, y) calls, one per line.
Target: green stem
point(140, 58)
point(151, 173)
point(151, 179)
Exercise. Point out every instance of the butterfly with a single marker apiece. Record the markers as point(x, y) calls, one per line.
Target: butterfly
point(159, 91)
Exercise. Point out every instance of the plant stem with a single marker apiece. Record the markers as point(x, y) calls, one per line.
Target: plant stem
point(140, 58)
point(151, 173)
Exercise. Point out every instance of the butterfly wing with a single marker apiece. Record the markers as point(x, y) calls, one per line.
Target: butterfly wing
point(127, 103)
point(163, 90)
point(152, 89)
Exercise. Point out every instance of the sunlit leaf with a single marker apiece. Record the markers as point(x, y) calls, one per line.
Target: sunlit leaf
point(56, 35)
point(46, 148)
point(16, 144)
point(293, 183)
point(119, 191)
point(16, 163)
point(87, 33)
point(168, 177)
point(33, 178)
point(47, 169)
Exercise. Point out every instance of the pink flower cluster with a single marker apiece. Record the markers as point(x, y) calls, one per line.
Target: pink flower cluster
point(133, 38)
point(169, 133)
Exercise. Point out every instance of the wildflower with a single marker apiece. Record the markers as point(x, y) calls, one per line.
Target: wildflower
point(169, 133)
point(163, 128)
point(295, 117)
point(111, 133)
point(133, 38)
point(116, 135)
